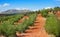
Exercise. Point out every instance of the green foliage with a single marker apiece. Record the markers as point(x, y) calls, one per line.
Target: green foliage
point(56, 8)
point(44, 12)
point(52, 25)
point(27, 22)
point(8, 29)
point(58, 26)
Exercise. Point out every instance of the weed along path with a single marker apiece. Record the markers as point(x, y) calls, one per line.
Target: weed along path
point(37, 30)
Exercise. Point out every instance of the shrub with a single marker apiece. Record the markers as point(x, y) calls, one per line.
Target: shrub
point(52, 25)
point(7, 29)
point(58, 27)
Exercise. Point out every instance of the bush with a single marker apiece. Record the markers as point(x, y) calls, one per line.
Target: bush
point(52, 25)
point(7, 29)
point(58, 27)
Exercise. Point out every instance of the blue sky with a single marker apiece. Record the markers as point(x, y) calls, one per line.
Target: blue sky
point(28, 4)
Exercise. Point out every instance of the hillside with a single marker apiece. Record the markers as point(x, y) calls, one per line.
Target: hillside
point(14, 11)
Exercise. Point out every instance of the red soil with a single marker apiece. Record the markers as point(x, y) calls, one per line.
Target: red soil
point(37, 30)
point(58, 14)
point(21, 20)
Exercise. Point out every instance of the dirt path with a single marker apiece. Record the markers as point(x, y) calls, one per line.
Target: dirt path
point(21, 20)
point(58, 15)
point(37, 30)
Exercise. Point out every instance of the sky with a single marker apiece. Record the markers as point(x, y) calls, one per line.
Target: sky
point(28, 4)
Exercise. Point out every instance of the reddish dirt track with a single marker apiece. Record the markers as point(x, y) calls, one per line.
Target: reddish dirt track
point(21, 20)
point(58, 14)
point(37, 30)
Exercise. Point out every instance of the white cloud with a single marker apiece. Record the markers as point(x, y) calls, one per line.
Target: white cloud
point(17, 8)
point(47, 7)
point(21, 8)
point(4, 5)
point(24, 8)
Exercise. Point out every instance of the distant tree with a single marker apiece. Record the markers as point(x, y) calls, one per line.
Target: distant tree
point(38, 11)
point(44, 12)
point(56, 9)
